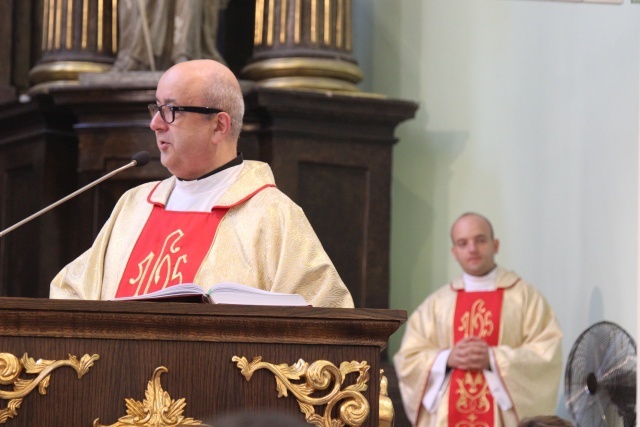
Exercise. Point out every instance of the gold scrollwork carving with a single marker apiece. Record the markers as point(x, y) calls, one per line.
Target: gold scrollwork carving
point(11, 367)
point(386, 413)
point(319, 375)
point(157, 410)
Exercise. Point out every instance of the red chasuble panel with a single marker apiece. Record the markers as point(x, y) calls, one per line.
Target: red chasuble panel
point(477, 315)
point(169, 251)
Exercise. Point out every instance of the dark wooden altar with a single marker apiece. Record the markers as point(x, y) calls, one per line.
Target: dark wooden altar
point(196, 344)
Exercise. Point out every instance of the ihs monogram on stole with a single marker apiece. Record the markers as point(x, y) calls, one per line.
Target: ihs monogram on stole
point(168, 240)
point(476, 322)
point(166, 267)
point(470, 402)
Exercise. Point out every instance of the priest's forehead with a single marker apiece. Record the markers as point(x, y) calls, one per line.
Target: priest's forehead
point(187, 83)
point(475, 215)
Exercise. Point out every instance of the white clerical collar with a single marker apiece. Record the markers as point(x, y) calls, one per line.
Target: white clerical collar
point(204, 185)
point(202, 194)
point(480, 283)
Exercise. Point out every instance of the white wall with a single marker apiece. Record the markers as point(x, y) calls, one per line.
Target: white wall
point(528, 114)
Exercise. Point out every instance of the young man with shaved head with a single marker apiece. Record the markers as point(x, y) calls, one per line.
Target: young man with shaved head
point(218, 218)
point(484, 350)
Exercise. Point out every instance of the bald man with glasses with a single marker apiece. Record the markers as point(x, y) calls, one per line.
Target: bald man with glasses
point(218, 218)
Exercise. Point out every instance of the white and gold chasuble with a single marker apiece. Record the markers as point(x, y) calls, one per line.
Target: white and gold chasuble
point(264, 240)
point(527, 355)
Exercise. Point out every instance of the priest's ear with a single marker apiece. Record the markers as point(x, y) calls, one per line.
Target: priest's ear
point(221, 127)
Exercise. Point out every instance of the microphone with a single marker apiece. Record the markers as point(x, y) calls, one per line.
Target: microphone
point(139, 159)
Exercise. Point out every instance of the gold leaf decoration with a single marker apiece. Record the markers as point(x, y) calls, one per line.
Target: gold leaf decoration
point(11, 368)
point(10, 411)
point(353, 407)
point(157, 409)
point(386, 413)
point(362, 380)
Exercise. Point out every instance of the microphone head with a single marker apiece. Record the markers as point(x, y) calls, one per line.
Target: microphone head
point(141, 158)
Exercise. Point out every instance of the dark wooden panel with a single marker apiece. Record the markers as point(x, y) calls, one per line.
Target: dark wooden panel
point(336, 199)
point(17, 182)
point(346, 133)
point(6, 59)
point(205, 322)
point(195, 342)
point(201, 373)
point(38, 157)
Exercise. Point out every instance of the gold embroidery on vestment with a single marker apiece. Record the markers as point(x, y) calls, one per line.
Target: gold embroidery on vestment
point(166, 267)
point(476, 322)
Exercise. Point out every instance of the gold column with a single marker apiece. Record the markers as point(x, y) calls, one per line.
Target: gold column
point(303, 44)
point(78, 36)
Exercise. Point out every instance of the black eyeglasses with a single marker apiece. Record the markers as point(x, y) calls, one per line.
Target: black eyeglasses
point(168, 112)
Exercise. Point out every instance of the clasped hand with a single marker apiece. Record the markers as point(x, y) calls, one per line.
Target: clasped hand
point(471, 354)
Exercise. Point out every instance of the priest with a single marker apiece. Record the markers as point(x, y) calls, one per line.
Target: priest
point(483, 350)
point(218, 218)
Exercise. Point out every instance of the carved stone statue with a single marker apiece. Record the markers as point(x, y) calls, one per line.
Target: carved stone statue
point(155, 34)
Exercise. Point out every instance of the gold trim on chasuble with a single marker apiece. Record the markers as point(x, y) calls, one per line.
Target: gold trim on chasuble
point(477, 314)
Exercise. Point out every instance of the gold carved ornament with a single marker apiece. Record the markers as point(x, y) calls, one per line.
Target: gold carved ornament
point(353, 407)
point(11, 367)
point(157, 410)
point(386, 413)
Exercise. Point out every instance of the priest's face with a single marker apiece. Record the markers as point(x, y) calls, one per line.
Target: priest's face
point(473, 245)
point(187, 143)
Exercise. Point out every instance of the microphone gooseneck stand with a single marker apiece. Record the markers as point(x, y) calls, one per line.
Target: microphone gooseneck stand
point(138, 159)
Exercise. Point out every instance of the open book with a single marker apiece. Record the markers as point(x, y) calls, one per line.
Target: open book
point(221, 293)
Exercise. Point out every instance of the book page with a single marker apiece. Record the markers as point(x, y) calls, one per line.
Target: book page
point(221, 293)
point(235, 293)
point(181, 290)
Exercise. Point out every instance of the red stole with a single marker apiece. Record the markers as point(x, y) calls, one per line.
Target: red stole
point(470, 401)
point(169, 250)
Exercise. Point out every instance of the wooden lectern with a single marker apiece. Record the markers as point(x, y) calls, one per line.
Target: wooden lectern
point(104, 363)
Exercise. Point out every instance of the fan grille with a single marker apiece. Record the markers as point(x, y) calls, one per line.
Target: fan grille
point(600, 378)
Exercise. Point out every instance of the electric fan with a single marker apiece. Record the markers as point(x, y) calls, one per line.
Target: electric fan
point(600, 378)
